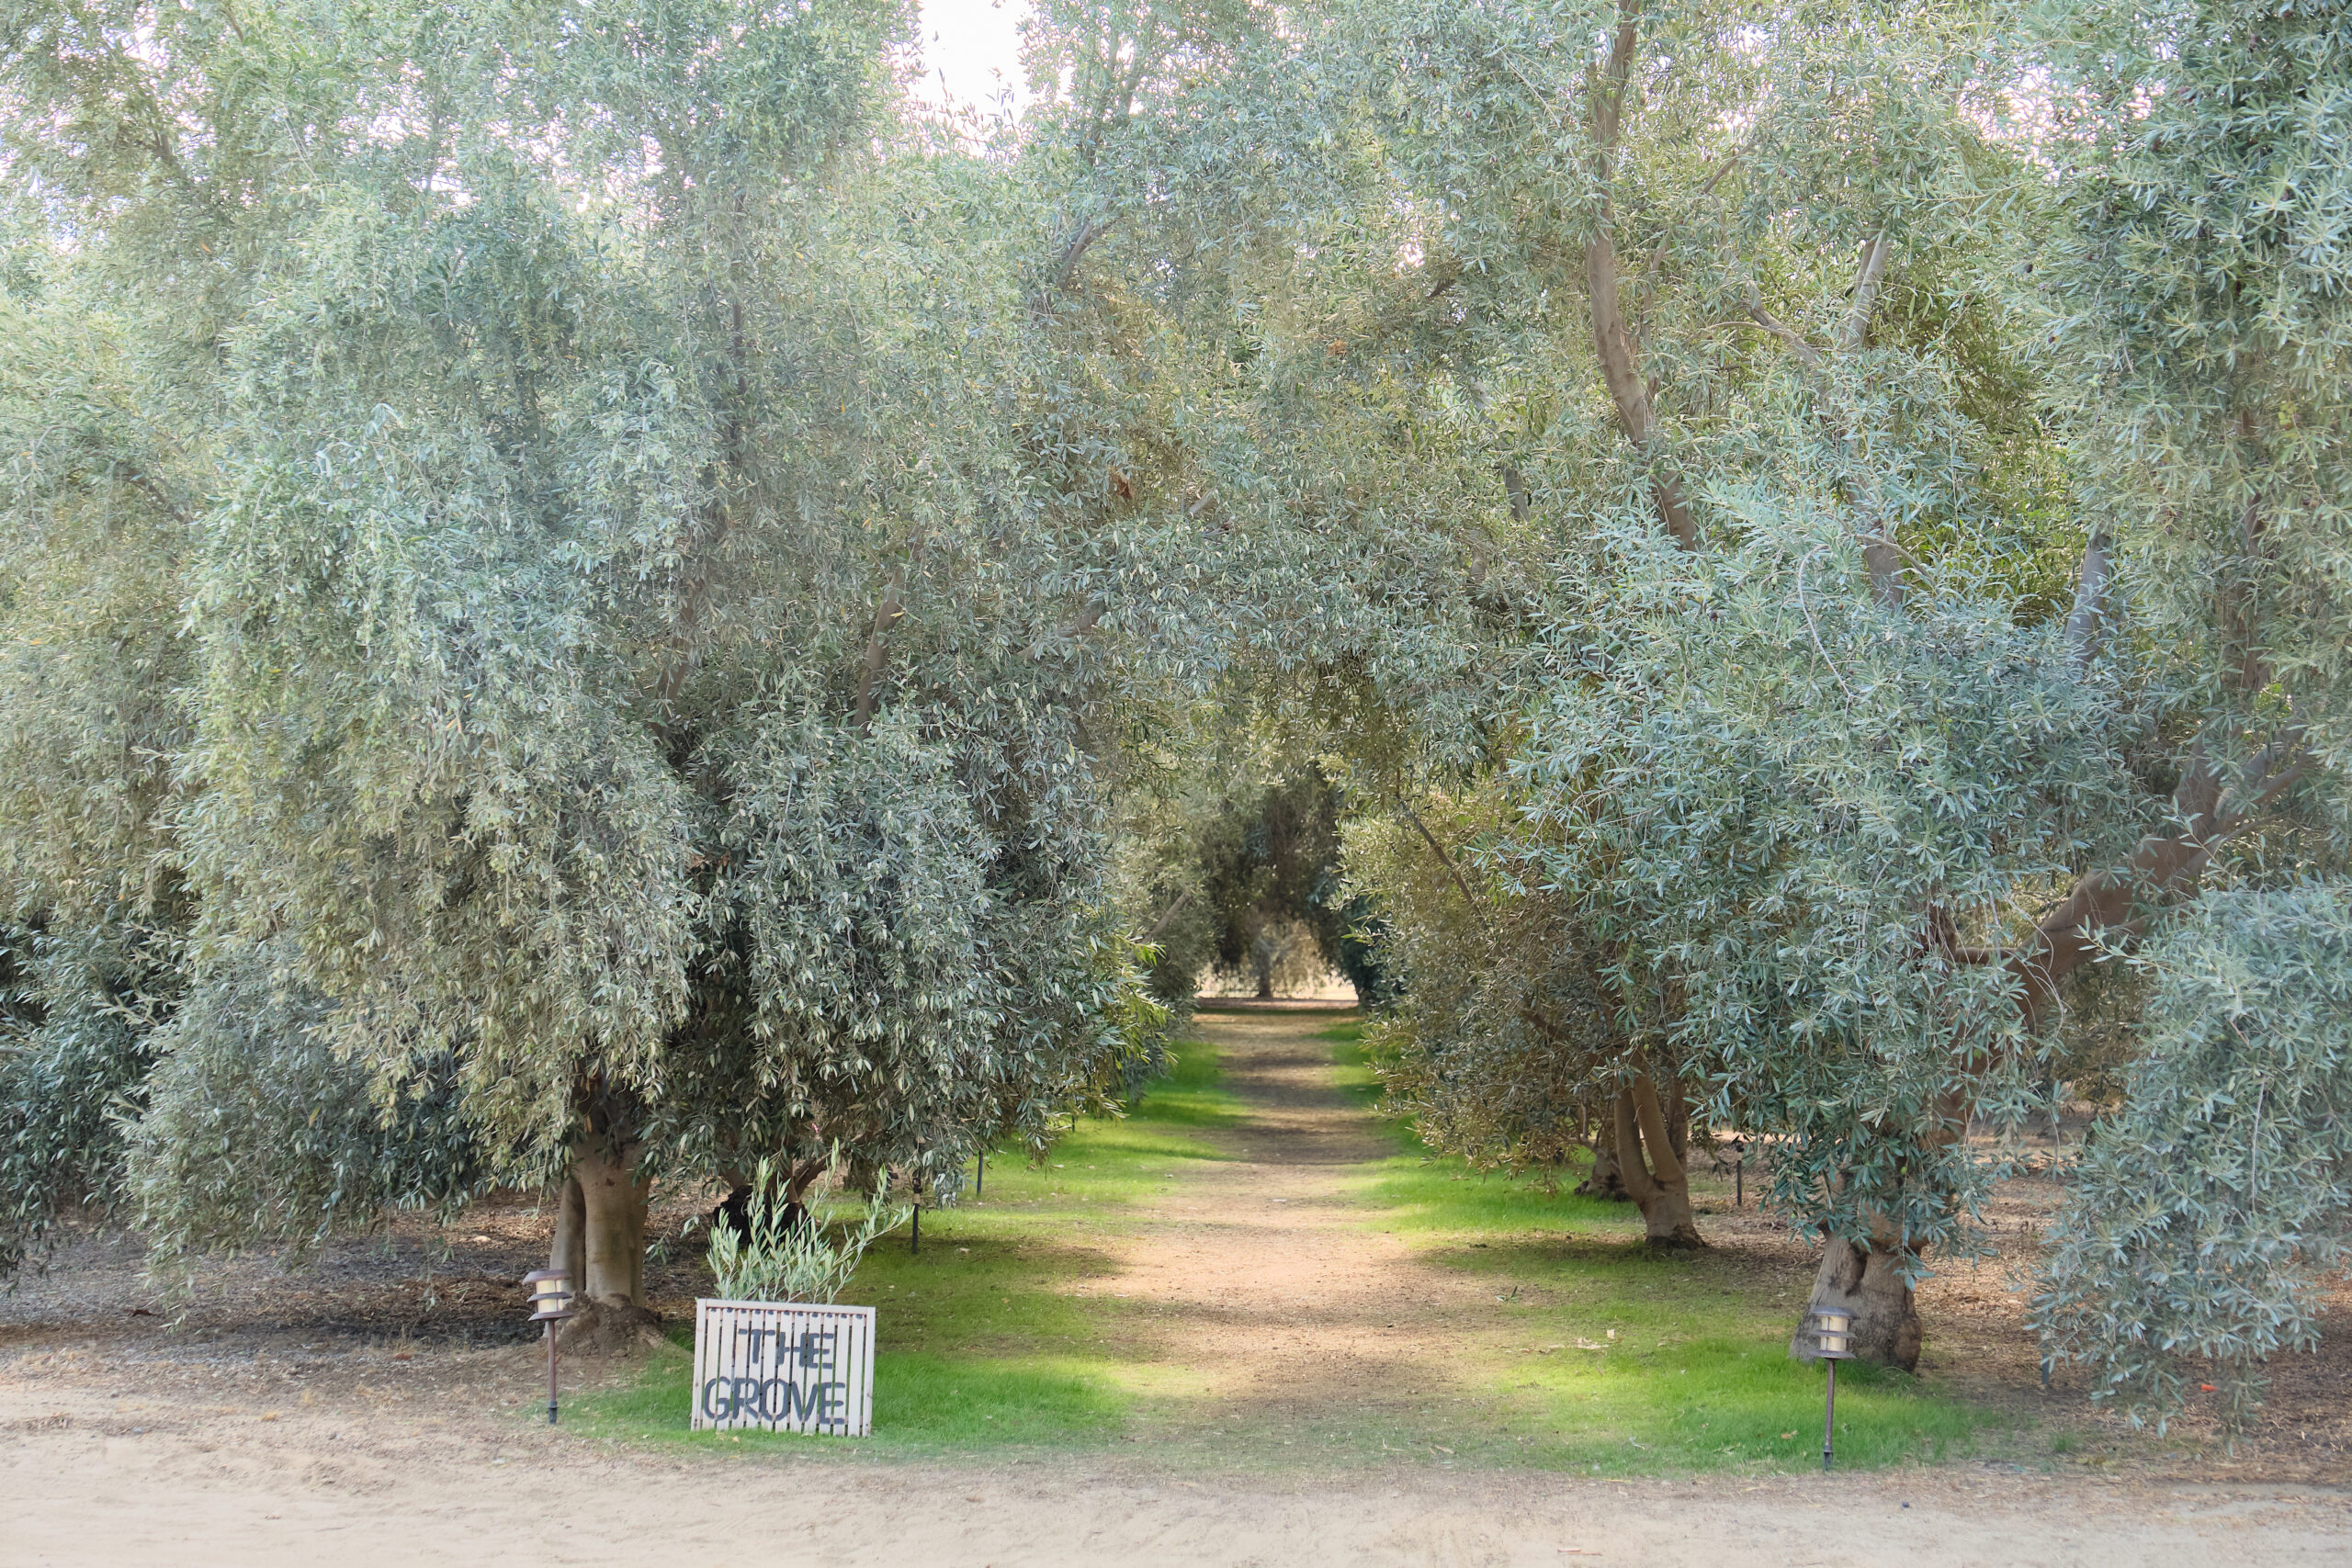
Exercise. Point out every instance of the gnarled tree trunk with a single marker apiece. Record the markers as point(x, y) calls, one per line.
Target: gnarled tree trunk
point(600, 1243)
point(1653, 1174)
point(1867, 1281)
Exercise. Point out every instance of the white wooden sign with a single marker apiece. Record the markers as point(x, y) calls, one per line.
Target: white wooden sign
point(781, 1367)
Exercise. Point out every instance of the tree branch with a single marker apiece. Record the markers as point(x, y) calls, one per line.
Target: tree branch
point(1170, 913)
point(2211, 809)
point(1523, 504)
point(1445, 860)
point(1656, 1141)
point(886, 614)
point(1080, 241)
point(1864, 294)
point(1631, 1169)
point(1611, 340)
point(140, 480)
point(2085, 624)
point(1779, 328)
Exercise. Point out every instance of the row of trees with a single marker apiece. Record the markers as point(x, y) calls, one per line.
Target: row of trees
point(590, 598)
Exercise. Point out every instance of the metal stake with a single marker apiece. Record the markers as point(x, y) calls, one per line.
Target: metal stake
point(1829, 1417)
point(915, 1242)
point(1739, 1182)
point(980, 1182)
point(551, 1374)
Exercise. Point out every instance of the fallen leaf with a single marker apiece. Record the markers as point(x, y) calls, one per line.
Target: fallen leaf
point(269, 1415)
point(2206, 1387)
point(1786, 1436)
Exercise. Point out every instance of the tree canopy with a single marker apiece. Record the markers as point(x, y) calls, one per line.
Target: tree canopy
point(597, 596)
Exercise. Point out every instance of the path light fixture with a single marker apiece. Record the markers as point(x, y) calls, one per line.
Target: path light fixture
point(550, 1304)
point(1833, 1341)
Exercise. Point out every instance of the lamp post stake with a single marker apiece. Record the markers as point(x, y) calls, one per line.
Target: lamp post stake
point(550, 1291)
point(1829, 1417)
point(1832, 1333)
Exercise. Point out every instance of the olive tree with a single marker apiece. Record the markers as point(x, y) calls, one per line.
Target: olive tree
point(1848, 783)
point(2197, 299)
point(570, 620)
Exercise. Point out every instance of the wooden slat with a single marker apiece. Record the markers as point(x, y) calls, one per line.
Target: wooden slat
point(782, 1367)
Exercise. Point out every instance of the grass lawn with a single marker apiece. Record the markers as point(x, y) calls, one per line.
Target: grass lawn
point(1603, 1357)
point(982, 1348)
point(1594, 1356)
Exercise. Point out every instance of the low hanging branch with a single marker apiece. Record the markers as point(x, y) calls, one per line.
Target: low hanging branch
point(1445, 860)
point(1170, 913)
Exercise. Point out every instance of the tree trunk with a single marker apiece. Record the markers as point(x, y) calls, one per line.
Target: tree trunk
point(1657, 1182)
point(1608, 1178)
point(569, 1251)
point(608, 1241)
point(613, 1200)
point(1678, 1121)
point(1867, 1281)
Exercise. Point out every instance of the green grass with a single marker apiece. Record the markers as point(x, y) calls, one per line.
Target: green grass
point(992, 1343)
point(1691, 1370)
point(925, 1404)
point(983, 1344)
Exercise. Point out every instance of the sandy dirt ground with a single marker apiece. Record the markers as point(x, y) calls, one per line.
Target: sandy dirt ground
point(289, 1422)
point(78, 1486)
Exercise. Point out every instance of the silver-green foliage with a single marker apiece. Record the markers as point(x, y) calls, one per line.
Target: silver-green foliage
point(536, 516)
point(785, 1256)
point(2208, 1213)
point(256, 1127)
point(1794, 837)
point(2196, 309)
point(76, 1047)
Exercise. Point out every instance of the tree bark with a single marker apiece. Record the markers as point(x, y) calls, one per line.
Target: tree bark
point(1608, 1178)
point(609, 1242)
point(1612, 340)
point(1867, 1282)
point(569, 1251)
point(1659, 1183)
point(869, 674)
point(612, 1202)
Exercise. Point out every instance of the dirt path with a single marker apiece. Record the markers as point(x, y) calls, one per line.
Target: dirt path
point(1277, 1295)
point(1267, 1283)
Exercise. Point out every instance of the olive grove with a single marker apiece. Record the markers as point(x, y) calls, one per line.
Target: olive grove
point(572, 655)
point(591, 597)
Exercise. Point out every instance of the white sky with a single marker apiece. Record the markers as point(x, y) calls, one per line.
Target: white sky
point(970, 53)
